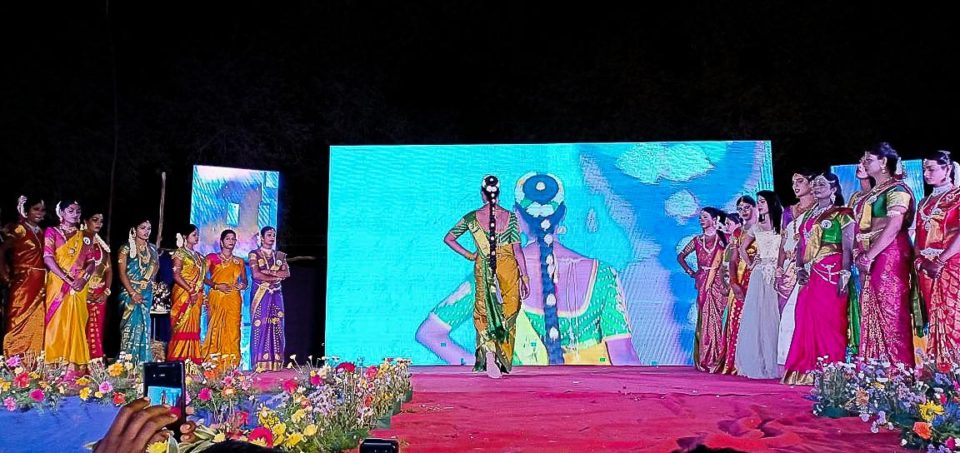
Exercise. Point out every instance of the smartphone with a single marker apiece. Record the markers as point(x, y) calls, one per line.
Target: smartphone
point(164, 383)
point(374, 445)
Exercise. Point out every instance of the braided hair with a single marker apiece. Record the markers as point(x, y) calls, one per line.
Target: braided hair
point(540, 204)
point(491, 192)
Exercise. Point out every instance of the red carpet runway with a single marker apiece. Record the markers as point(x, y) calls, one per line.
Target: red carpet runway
point(630, 409)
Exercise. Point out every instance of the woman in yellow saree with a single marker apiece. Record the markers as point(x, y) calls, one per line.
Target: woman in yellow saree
point(227, 278)
point(189, 270)
point(501, 278)
point(67, 254)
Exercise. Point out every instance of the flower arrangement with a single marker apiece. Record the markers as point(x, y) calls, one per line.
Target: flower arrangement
point(221, 393)
point(922, 402)
point(326, 406)
point(117, 383)
point(323, 406)
point(31, 383)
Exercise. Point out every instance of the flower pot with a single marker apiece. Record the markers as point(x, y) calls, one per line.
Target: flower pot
point(408, 396)
point(383, 422)
point(834, 412)
point(396, 407)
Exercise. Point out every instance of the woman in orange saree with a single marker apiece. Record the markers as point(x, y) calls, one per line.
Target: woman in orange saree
point(25, 277)
point(227, 278)
point(708, 348)
point(938, 257)
point(189, 269)
point(69, 259)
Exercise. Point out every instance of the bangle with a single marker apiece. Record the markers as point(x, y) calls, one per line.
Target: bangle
point(525, 278)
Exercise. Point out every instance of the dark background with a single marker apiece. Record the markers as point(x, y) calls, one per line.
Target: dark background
point(270, 85)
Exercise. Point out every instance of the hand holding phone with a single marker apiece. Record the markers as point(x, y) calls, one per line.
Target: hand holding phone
point(136, 426)
point(164, 384)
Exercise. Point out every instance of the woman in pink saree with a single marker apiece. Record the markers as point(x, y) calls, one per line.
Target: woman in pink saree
point(823, 259)
point(708, 349)
point(883, 255)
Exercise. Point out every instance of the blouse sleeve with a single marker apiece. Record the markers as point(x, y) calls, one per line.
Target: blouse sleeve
point(457, 308)
point(459, 228)
point(898, 198)
point(614, 322)
point(49, 243)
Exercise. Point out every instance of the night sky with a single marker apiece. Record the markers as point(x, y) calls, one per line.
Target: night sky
point(271, 84)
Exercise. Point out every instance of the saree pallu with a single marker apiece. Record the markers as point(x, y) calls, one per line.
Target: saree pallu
point(135, 319)
point(267, 344)
point(25, 313)
point(96, 302)
point(495, 318)
point(135, 323)
point(708, 349)
point(821, 322)
point(942, 298)
point(185, 310)
point(223, 328)
point(734, 310)
point(885, 306)
point(66, 318)
point(95, 320)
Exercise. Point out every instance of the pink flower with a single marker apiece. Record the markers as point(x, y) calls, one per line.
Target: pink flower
point(347, 366)
point(13, 362)
point(242, 418)
point(371, 372)
point(290, 385)
point(951, 443)
point(10, 404)
point(204, 394)
point(262, 434)
point(315, 380)
point(106, 387)
point(228, 380)
point(37, 395)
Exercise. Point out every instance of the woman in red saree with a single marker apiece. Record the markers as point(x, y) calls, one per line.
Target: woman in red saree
point(883, 255)
point(98, 287)
point(708, 348)
point(739, 278)
point(189, 269)
point(24, 274)
point(938, 257)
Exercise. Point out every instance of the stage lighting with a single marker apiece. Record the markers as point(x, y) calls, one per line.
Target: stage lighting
point(373, 445)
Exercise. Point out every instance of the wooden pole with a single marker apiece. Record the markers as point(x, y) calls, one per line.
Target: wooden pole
point(163, 198)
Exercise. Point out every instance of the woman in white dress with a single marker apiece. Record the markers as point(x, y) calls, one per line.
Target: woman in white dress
point(760, 322)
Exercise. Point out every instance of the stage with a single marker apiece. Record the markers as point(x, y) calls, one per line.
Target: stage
point(551, 409)
point(579, 408)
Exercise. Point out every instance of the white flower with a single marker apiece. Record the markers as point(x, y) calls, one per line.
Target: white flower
point(545, 224)
point(551, 300)
point(540, 210)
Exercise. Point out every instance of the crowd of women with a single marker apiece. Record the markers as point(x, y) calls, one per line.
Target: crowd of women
point(60, 279)
point(780, 288)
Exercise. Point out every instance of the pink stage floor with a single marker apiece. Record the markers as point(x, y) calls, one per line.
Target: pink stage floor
point(657, 409)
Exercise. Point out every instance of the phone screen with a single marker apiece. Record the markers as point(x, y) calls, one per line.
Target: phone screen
point(163, 383)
